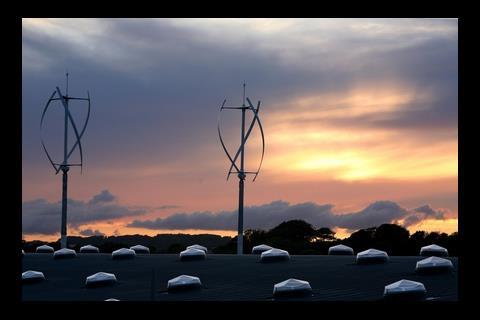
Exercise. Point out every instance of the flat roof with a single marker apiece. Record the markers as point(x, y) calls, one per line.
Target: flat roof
point(227, 277)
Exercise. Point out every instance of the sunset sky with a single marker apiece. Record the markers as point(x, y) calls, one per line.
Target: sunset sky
point(360, 119)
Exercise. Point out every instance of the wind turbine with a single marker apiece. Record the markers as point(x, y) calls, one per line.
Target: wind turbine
point(240, 169)
point(64, 165)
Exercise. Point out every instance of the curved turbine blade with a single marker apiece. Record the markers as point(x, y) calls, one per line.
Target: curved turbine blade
point(261, 131)
point(255, 118)
point(263, 144)
point(78, 138)
point(50, 159)
point(82, 132)
point(41, 136)
point(221, 140)
point(73, 125)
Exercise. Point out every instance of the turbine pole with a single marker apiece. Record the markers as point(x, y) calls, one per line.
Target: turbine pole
point(241, 177)
point(240, 169)
point(63, 239)
point(64, 164)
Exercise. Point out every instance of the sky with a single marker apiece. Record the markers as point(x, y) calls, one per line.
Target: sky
point(360, 119)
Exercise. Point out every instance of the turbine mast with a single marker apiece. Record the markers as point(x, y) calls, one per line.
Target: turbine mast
point(64, 165)
point(234, 168)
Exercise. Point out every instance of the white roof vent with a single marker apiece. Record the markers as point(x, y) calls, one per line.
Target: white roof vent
point(197, 246)
point(184, 282)
point(405, 290)
point(44, 249)
point(274, 255)
point(261, 248)
point(123, 253)
point(140, 249)
point(372, 256)
point(291, 287)
point(64, 254)
point(89, 249)
point(433, 265)
point(32, 276)
point(340, 250)
point(100, 279)
point(192, 254)
point(433, 250)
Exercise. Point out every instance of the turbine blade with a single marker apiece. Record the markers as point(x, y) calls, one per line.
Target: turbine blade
point(74, 127)
point(83, 129)
point(252, 124)
point(221, 140)
point(41, 136)
point(263, 143)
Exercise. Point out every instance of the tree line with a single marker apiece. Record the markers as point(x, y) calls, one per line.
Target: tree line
point(300, 237)
point(295, 236)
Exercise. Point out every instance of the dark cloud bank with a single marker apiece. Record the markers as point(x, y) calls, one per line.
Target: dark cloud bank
point(269, 215)
point(43, 217)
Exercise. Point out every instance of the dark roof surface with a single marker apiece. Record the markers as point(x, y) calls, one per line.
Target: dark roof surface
point(227, 277)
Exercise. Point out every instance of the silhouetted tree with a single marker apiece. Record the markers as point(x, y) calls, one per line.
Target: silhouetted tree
point(176, 248)
point(392, 238)
point(325, 234)
point(229, 248)
point(452, 244)
point(109, 246)
point(294, 229)
point(361, 239)
point(295, 236)
point(253, 238)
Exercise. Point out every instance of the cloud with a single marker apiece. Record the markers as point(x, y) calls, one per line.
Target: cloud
point(424, 212)
point(283, 63)
point(43, 217)
point(167, 206)
point(375, 214)
point(90, 232)
point(269, 215)
point(104, 196)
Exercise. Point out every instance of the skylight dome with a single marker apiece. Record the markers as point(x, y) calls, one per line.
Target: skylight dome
point(372, 256)
point(183, 282)
point(192, 254)
point(89, 249)
point(32, 276)
point(433, 250)
point(44, 249)
point(261, 248)
point(340, 250)
point(123, 253)
point(197, 246)
point(64, 254)
point(274, 254)
point(405, 290)
point(100, 279)
point(292, 287)
point(434, 265)
point(140, 249)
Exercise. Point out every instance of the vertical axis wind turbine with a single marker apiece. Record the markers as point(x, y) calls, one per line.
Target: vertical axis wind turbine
point(67, 152)
point(240, 170)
